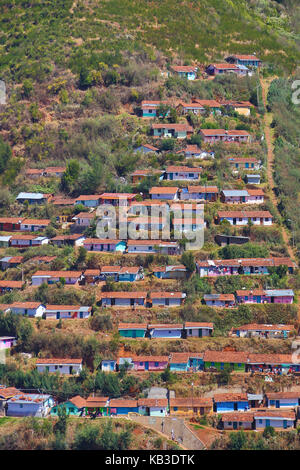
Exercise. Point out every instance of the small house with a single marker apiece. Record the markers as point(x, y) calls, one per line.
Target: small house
point(221, 69)
point(243, 59)
point(200, 193)
point(8, 286)
point(245, 217)
point(7, 342)
point(52, 277)
point(227, 402)
point(282, 399)
point(83, 219)
point(198, 329)
point(153, 406)
point(182, 173)
point(221, 360)
point(110, 245)
point(117, 199)
point(132, 330)
point(26, 241)
point(165, 193)
point(185, 71)
point(120, 406)
point(244, 163)
point(150, 363)
point(165, 331)
point(170, 272)
point(29, 404)
point(74, 407)
point(34, 225)
point(68, 240)
point(153, 246)
point(63, 366)
point(278, 419)
point(233, 196)
point(149, 107)
point(265, 296)
point(88, 200)
point(190, 406)
point(33, 198)
point(252, 178)
point(10, 224)
point(176, 131)
point(30, 309)
point(219, 300)
point(223, 135)
point(97, 406)
point(56, 312)
point(146, 148)
point(167, 299)
point(123, 299)
point(131, 274)
point(179, 362)
point(108, 365)
point(240, 420)
point(254, 330)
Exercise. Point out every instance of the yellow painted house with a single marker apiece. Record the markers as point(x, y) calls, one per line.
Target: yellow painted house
point(190, 406)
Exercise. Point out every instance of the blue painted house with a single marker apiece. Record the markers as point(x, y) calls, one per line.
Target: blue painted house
point(149, 108)
point(185, 71)
point(224, 402)
point(108, 365)
point(196, 361)
point(179, 362)
point(120, 406)
point(242, 59)
point(132, 330)
point(283, 399)
point(146, 148)
point(165, 330)
point(131, 274)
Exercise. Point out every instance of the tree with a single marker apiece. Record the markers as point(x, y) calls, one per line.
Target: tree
point(188, 260)
point(86, 438)
point(60, 426)
point(5, 154)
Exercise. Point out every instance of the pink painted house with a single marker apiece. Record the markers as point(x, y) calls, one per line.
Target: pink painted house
point(151, 363)
point(269, 296)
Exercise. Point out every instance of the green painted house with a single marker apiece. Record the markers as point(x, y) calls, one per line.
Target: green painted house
point(132, 330)
point(74, 406)
point(225, 360)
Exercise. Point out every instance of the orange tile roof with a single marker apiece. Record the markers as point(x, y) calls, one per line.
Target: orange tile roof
point(194, 324)
point(278, 395)
point(96, 401)
point(122, 403)
point(56, 274)
point(184, 68)
point(275, 414)
point(59, 361)
point(153, 402)
point(258, 326)
point(13, 284)
point(245, 214)
point(163, 190)
point(239, 357)
point(230, 132)
point(151, 359)
point(129, 326)
point(166, 326)
point(191, 402)
point(11, 220)
point(176, 127)
point(36, 222)
point(100, 241)
point(25, 304)
point(123, 295)
point(203, 189)
point(78, 401)
point(258, 358)
point(179, 358)
point(163, 295)
point(185, 169)
point(223, 397)
point(242, 416)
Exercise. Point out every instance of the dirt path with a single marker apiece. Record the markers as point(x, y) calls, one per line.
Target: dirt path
point(268, 118)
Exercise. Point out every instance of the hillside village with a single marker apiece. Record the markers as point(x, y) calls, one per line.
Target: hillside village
point(137, 322)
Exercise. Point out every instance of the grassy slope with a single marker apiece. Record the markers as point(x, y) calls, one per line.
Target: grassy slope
point(35, 36)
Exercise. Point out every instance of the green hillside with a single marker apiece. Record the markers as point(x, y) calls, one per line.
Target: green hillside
point(38, 36)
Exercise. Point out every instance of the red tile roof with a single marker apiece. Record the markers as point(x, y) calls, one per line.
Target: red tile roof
point(130, 326)
point(58, 361)
point(153, 402)
point(78, 401)
point(239, 357)
point(123, 295)
point(163, 190)
point(166, 295)
point(223, 397)
point(122, 403)
point(242, 416)
point(176, 127)
point(151, 359)
point(12, 284)
point(191, 402)
point(230, 132)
